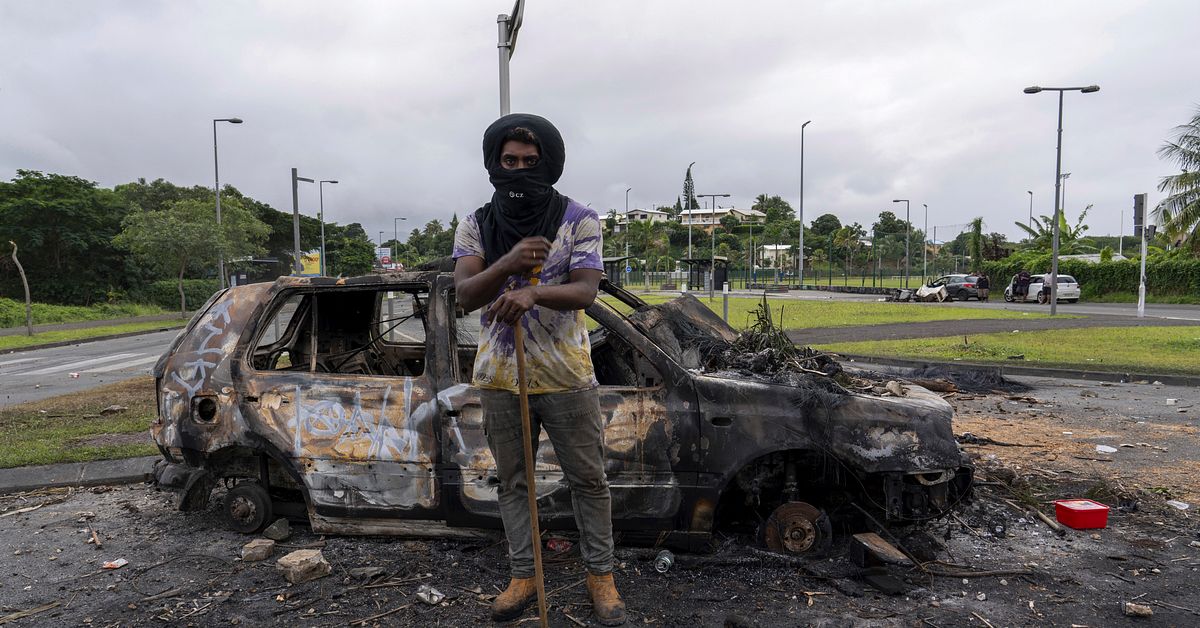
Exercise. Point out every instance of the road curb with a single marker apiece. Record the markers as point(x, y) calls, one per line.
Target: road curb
point(79, 341)
point(95, 473)
point(1029, 371)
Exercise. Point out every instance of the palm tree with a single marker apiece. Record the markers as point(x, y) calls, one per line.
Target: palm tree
point(1179, 212)
point(1070, 239)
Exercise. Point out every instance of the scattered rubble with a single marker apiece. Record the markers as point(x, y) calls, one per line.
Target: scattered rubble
point(1137, 610)
point(258, 549)
point(278, 531)
point(304, 565)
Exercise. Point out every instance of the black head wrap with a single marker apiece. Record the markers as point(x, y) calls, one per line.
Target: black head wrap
point(525, 202)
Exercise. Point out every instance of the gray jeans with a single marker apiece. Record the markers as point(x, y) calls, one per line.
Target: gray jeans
point(576, 429)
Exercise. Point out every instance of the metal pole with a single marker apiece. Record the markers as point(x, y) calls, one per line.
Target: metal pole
point(217, 179)
point(907, 240)
point(321, 218)
point(925, 247)
point(1057, 212)
point(751, 249)
point(712, 250)
point(503, 47)
point(1121, 235)
point(1030, 208)
point(1141, 305)
point(800, 253)
point(830, 258)
point(626, 269)
point(296, 223)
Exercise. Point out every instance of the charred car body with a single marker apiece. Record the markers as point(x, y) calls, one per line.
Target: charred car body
point(349, 402)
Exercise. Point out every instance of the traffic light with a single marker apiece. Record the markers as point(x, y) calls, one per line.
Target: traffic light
point(1139, 212)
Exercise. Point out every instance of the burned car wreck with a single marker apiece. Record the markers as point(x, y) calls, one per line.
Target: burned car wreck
point(348, 402)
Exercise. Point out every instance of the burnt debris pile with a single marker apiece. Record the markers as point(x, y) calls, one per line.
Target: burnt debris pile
point(763, 350)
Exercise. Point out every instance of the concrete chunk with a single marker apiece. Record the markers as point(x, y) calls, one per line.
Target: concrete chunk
point(278, 531)
point(258, 549)
point(304, 565)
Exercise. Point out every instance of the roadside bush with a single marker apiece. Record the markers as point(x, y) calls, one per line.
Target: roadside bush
point(12, 312)
point(165, 293)
point(1164, 276)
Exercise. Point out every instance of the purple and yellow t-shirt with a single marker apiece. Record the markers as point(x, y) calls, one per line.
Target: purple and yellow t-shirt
point(557, 352)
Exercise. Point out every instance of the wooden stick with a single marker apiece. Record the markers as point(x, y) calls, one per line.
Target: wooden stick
point(530, 481)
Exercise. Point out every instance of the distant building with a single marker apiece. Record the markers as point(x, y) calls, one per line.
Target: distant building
point(649, 215)
point(773, 252)
point(713, 216)
point(1091, 258)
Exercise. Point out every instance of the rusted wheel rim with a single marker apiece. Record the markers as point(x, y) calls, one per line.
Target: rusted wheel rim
point(793, 528)
point(243, 509)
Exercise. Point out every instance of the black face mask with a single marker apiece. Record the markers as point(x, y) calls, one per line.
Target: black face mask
point(525, 202)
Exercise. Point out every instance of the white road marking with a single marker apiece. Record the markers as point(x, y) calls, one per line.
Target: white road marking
point(75, 365)
point(124, 365)
point(7, 362)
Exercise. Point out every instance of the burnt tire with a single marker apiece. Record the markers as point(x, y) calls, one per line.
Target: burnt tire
point(797, 528)
point(247, 508)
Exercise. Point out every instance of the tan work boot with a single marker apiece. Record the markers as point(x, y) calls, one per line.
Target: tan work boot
point(521, 592)
point(606, 602)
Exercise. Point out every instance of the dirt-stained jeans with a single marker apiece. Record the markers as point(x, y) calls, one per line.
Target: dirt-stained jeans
point(576, 430)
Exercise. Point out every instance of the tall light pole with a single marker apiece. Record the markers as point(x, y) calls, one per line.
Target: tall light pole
point(507, 45)
point(712, 251)
point(626, 271)
point(299, 267)
point(925, 247)
point(1058, 182)
point(396, 236)
point(907, 238)
point(1030, 192)
point(217, 188)
point(800, 253)
point(321, 193)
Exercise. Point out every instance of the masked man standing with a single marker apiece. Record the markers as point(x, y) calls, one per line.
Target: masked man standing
point(529, 230)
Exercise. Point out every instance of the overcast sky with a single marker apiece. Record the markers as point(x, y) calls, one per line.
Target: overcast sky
point(917, 100)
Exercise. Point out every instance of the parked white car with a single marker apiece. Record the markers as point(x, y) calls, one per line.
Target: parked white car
point(1068, 289)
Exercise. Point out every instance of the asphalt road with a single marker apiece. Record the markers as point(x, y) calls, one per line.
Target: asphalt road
point(31, 375)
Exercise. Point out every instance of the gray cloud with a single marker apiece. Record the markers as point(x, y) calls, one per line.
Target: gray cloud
point(914, 100)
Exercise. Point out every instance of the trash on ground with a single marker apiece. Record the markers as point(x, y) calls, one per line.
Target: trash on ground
point(664, 561)
point(1105, 449)
point(115, 564)
point(430, 595)
point(113, 409)
point(1175, 503)
point(1081, 514)
point(558, 544)
point(1133, 609)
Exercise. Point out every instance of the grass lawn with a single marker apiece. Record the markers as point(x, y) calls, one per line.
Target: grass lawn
point(804, 314)
point(1168, 350)
point(19, 341)
point(70, 428)
point(12, 312)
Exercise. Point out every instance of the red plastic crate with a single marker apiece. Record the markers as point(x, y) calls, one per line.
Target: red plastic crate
point(1081, 514)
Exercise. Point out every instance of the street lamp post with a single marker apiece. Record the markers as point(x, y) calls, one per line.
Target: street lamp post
point(299, 267)
point(396, 236)
point(1058, 182)
point(907, 238)
point(925, 247)
point(508, 26)
point(800, 253)
point(712, 251)
point(1064, 176)
point(217, 188)
point(626, 269)
point(1030, 192)
point(321, 194)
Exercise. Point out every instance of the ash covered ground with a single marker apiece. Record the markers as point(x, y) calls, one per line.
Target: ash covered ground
point(991, 562)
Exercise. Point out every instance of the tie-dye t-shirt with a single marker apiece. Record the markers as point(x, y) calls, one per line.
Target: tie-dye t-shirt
point(557, 352)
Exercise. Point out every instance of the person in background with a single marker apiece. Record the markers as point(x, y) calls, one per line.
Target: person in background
point(984, 285)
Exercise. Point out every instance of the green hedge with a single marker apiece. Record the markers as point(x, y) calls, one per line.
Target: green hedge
point(12, 312)
point(1169, 277)
point(165, 293)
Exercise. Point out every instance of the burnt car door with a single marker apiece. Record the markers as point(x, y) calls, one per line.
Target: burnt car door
point(647, 423)
point(342, 377)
